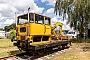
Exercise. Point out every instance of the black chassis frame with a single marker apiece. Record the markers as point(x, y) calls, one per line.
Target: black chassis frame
point(28, 47)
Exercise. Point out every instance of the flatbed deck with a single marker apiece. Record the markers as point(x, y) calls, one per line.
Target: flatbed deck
point(53, 43)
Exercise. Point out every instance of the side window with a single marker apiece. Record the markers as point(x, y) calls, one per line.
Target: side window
point(31, 17)
point(39, 19)
point(47, 21)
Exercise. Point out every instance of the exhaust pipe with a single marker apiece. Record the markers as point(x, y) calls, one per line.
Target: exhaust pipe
point(16, 19)
point(28, 13)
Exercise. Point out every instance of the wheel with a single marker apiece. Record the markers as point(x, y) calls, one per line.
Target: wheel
point(63, 46)
point(40, 52)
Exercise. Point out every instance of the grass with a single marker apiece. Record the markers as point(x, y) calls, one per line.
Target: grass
point(76, 53)
point(7, 48)
point(5, 43)
point(80, 40)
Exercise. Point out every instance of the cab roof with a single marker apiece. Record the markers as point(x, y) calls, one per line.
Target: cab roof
point(33, 13)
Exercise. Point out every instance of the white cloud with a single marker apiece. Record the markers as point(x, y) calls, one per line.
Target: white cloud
point(54, 20)
point(43, 0)
point(6, 23)
point(50, 13)
point(7, 10)
point(19, 6)
point(37, 9)
point(50, 2)
point(1, 23)
point(9, 7)
point(65, 26)
point(57, 18)
point(9, 21)
point(51, 10)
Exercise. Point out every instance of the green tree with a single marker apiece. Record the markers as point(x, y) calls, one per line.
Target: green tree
point(78, 12)
point(10, 27)
point(13, 34)
point(1, 29)
point(7, 28)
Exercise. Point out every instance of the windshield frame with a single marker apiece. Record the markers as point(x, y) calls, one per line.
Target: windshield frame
point(32, 19)
point(25, 17)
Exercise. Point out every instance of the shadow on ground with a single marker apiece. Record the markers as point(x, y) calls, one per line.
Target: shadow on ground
point(15, 52)
point(25, 55)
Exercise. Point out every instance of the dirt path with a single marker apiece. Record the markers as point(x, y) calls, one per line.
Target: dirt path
point(75, 53)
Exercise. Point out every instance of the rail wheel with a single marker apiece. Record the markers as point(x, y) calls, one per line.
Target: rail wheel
point(63, 46)
point(31, 52)
point(40, 52)
point(60, 47)
point(66, 45)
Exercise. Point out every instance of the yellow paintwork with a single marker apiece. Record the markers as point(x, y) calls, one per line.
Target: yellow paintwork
point(34, 29)
point(54, 26)
point(47, 30)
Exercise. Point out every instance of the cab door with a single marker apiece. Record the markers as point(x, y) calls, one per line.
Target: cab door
point(47, 27)
point(47, 30)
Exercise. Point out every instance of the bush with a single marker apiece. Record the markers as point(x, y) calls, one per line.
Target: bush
point(13, 34)
point(80, 40)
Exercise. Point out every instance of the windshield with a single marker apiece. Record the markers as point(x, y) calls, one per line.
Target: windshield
point(21, 21)
point(24, 18)
point(39, 19)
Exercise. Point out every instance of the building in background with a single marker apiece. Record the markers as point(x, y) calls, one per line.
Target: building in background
point(7, 34)
point(2, 34)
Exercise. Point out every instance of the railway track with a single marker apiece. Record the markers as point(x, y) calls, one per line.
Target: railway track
point(28, 56)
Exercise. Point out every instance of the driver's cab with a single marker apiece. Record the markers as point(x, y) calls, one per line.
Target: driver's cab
point(33, 26)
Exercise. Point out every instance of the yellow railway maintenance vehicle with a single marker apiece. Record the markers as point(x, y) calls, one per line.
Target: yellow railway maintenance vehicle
point(34, 33)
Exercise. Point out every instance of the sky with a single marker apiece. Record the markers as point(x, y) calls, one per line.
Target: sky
point(44, 7)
